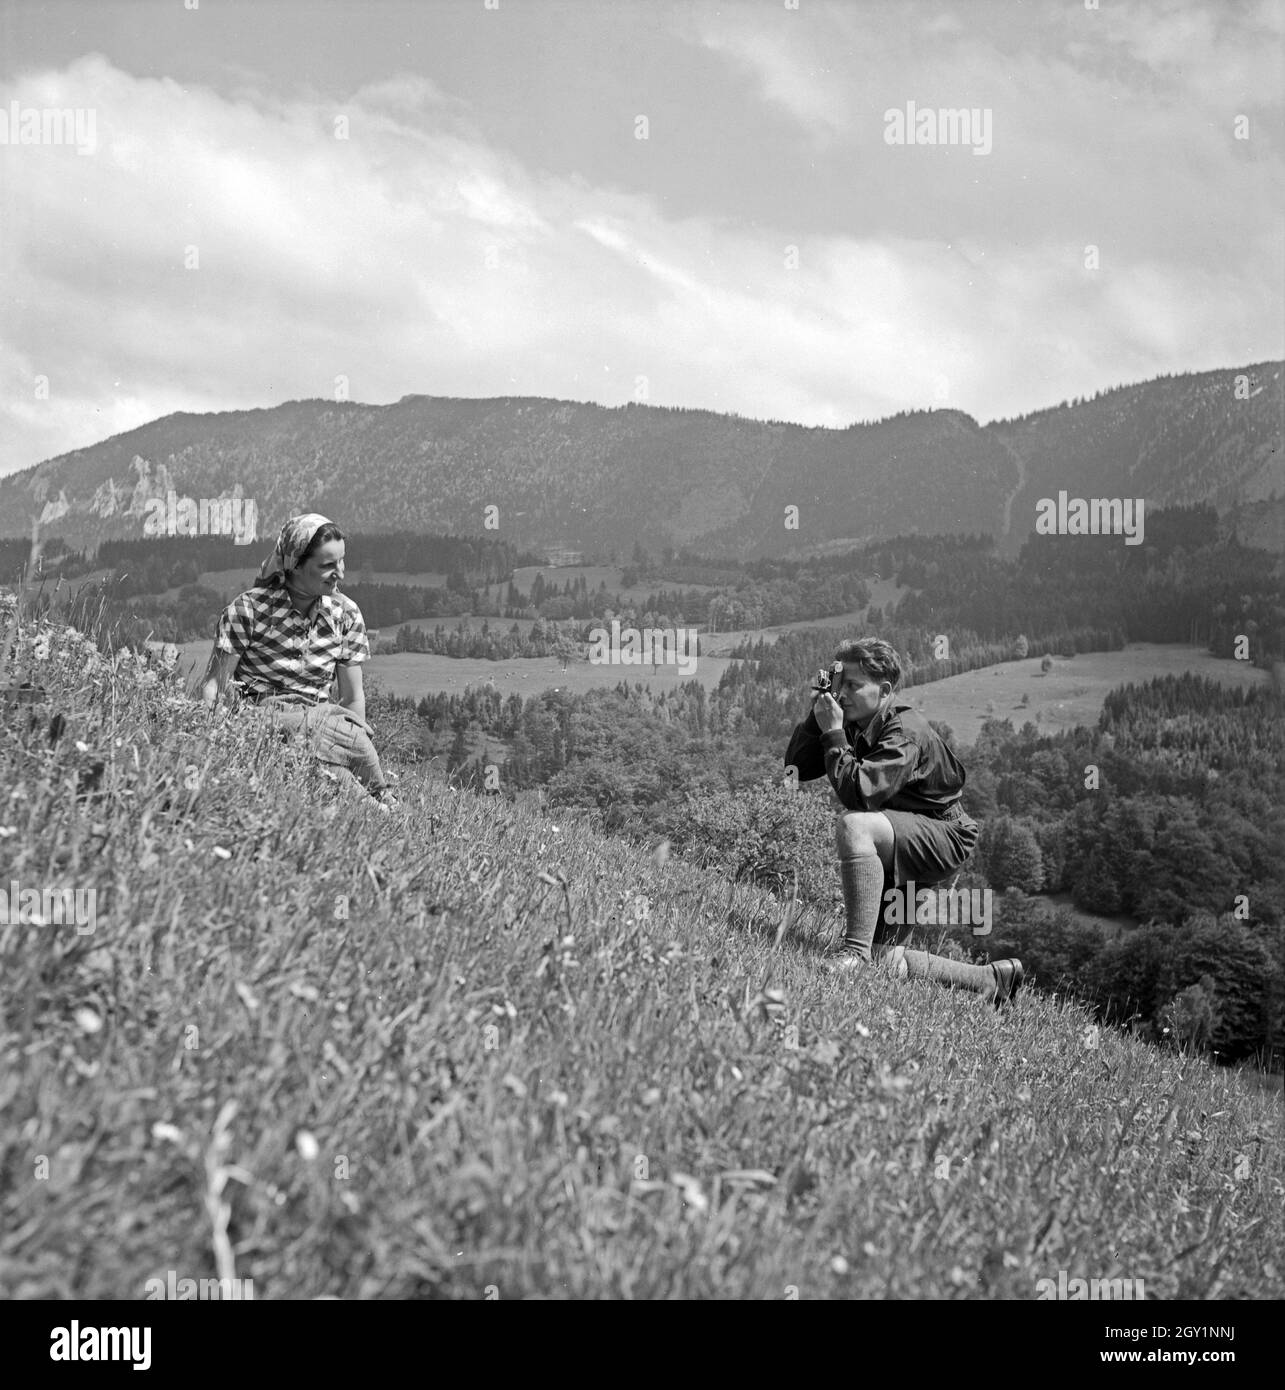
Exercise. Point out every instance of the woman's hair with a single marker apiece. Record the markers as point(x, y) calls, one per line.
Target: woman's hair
point(875, 657)
point(329, 532)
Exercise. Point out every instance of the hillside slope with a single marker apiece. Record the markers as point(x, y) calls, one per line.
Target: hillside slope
point(601, 480)
point(475, 1046)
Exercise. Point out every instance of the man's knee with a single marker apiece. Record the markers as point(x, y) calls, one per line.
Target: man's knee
point(858, 833)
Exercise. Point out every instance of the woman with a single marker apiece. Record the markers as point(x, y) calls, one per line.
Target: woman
point(284, 641)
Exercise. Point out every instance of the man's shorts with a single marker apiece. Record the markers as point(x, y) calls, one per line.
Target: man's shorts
point(927, 851)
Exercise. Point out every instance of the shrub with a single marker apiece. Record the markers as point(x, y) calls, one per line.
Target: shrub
point(765, 833)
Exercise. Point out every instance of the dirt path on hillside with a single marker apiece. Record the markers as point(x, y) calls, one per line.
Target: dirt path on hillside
point(1021, 483)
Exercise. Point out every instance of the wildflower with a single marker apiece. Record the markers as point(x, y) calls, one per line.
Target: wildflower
point(691, 1190)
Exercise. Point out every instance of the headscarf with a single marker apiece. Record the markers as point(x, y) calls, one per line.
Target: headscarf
point(291, 543)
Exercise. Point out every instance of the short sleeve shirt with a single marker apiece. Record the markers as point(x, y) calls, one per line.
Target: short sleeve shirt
point(283, 652)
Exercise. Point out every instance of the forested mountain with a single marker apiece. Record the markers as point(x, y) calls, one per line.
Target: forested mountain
point(1214, 437)
point(601, 480)
point(1060, 594)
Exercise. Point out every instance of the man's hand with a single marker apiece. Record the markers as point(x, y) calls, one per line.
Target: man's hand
point(828, 712)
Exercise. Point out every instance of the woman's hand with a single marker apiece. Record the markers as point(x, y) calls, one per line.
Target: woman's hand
point(220, 669)
point(828, 712)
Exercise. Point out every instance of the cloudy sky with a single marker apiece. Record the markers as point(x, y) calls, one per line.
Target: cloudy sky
point(689, 204)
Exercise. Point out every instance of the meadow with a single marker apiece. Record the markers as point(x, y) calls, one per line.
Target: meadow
point(413, 674)
point(474, 1047)
point(1072, 692)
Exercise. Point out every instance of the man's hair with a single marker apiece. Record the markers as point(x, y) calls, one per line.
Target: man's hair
point(875, 657)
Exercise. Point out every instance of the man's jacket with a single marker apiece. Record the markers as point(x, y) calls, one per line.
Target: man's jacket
point(899, 763)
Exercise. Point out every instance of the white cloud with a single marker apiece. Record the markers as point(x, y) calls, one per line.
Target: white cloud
point(413, 257)
point(792, 76)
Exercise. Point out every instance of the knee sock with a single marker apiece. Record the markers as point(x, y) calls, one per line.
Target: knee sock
point(921, 966)
point(862, 901)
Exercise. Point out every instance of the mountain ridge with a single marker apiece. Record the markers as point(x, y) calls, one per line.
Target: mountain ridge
point(601, 479)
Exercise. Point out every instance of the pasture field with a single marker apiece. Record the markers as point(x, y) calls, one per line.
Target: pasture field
point(1070, 695)
point(1073, 691)
point(419, 673)
point(416, 674)
point(474, 1044)
point(1110, 927)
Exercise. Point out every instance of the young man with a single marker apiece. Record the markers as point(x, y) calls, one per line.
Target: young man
point(904, 821)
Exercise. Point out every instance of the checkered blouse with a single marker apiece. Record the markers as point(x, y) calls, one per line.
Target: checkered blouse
point(285, 653)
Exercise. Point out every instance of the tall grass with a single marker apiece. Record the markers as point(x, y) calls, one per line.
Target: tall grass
point(475, 1048)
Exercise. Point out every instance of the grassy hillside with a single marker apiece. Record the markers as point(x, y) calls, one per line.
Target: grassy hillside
point(471, 1045)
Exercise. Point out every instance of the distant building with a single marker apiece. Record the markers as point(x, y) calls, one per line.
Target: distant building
point(559, 555)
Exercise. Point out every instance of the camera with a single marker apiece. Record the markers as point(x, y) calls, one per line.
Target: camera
point(827, 678)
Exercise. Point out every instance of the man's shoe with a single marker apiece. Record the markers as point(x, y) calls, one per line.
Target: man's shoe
point(843, 961)
point(1008, 980)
